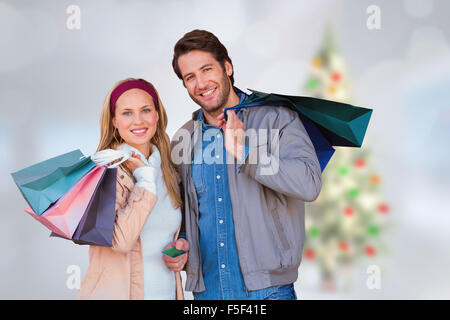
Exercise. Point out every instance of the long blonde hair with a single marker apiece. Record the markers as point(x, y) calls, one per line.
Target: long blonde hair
point(110, 139)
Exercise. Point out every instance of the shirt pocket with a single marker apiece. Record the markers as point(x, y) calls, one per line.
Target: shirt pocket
point(199, 178)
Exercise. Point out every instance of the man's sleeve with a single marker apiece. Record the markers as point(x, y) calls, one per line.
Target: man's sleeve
point(291, 167)
point(182, 233)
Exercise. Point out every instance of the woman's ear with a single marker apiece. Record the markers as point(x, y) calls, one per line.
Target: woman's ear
point(114, 122)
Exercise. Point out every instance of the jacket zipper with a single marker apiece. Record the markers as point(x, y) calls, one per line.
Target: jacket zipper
point(245, 126)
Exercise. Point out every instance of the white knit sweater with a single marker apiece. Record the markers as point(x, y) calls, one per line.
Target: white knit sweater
point(159, 229)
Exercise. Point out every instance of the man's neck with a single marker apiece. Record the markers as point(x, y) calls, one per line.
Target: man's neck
point(211, 117)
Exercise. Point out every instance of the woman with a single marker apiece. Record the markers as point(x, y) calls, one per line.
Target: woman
point(148, 215)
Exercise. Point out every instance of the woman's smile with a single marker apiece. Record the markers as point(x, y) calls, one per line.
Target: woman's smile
point(139, 131)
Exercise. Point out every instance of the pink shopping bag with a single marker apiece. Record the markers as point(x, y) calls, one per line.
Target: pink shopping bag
point(64, 215)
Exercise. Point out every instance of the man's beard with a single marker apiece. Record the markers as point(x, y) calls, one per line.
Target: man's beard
point(221, 99)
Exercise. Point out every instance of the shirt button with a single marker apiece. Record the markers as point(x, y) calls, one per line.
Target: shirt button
point(218, 135)
point(223, 266)
point(218, 177)
point(220, 199)
point(220, 221)
point(222, 244)
point(217, 156)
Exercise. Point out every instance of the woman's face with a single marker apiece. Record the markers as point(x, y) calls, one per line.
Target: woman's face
point(136, 119)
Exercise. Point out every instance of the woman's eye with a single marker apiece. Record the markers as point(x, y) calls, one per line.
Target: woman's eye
point(126, 113)
point(147, 110)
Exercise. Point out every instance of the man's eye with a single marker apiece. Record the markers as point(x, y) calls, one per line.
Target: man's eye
point(189, 78)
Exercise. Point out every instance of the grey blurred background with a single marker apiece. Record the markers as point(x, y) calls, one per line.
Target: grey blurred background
point(53, 80)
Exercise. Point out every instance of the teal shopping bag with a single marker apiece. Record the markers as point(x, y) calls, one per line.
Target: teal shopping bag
point(328, 123)
point(341, 123)
point(45, 182)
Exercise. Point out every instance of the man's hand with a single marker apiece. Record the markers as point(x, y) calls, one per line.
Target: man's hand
point(177, 263)
point(234, 133)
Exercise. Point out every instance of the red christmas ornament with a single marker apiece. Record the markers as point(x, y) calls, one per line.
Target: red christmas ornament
point(310, 254)
point(360, 163)
point(348, 211)
point(370, 251)
point(383, 208)
point(343, 246)
point(336, 76)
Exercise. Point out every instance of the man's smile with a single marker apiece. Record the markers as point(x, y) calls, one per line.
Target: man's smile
point(208, 93)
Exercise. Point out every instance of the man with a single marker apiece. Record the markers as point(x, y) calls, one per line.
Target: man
point(244, 223)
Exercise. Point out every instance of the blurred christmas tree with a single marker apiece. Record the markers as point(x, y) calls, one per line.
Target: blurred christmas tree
point(348, 219)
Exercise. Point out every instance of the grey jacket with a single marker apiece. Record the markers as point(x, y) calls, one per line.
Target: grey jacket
point(267, 200)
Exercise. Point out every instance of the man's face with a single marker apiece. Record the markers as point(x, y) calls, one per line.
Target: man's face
point(207, 83)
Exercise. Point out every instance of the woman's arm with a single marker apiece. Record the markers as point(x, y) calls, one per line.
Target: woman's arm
point(133, 207)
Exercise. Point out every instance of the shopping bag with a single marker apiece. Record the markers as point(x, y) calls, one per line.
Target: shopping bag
point(97, 225)
point(45, 182)
point(66, 213)
point(341, 123)
point(327, 122)
point(322, 146)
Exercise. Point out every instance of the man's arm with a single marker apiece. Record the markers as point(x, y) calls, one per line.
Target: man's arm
point(294, 170)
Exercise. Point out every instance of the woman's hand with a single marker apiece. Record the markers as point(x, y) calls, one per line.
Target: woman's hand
point(134, 162)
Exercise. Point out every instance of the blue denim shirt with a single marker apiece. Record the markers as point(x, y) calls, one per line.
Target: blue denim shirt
point(220, 262)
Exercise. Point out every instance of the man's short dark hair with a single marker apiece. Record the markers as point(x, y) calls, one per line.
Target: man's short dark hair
point(200, 40)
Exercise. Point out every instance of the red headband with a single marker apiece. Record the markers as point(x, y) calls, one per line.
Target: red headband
point(132, 84)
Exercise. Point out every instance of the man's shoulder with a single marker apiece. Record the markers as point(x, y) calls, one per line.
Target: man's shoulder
point(188, 125)
point(271, 113)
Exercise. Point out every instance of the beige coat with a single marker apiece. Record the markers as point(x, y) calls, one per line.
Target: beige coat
point(117, 272)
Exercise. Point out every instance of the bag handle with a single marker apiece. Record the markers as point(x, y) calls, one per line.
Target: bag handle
point(103, 157)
